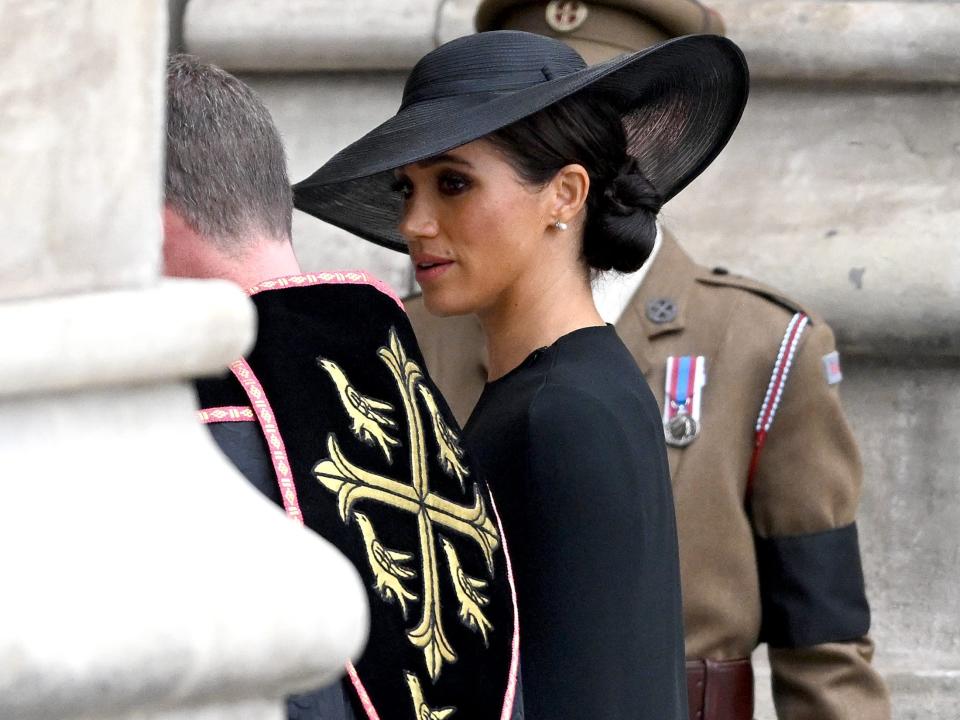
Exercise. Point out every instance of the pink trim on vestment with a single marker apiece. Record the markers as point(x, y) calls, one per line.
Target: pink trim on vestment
point(336, 277)
point(510, 694)
point(365, 700)
point(268, 423)
point(229, 413)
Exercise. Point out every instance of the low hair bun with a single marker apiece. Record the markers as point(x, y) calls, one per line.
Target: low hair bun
point(622, 205)
point(621, 227)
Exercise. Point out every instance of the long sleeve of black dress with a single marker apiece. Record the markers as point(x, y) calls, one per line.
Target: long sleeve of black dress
point(573, 444)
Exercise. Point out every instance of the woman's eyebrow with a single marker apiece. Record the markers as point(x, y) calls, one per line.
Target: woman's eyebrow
point(444, 158)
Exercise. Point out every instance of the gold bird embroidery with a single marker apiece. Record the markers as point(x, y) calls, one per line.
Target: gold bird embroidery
point(421, 710)
point(368, 415)
point(387, 566)
point(468, 594)
point(450, 454)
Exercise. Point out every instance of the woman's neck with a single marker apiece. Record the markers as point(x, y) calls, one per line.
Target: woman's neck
point(534, 315)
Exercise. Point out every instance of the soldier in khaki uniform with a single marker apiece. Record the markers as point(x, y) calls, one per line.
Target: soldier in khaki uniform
point(765, 471)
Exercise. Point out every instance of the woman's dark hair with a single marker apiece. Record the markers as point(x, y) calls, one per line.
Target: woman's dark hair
point(622, 205)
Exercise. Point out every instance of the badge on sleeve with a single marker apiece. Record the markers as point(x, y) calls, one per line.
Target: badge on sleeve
point(686, 376)
point(831, 368)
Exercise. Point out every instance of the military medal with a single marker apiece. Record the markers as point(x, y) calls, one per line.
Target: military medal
point(686, 376)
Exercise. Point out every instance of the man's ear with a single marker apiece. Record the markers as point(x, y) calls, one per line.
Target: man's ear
point(571, 185)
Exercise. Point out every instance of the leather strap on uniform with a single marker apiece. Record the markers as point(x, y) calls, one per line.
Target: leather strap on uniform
point(771, 401)
point(720, 689)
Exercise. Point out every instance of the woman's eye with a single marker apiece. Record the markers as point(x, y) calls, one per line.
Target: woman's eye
point(403, 188)
point(452, 184)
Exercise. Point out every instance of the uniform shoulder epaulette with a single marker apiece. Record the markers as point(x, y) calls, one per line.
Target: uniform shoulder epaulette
point(721, 277)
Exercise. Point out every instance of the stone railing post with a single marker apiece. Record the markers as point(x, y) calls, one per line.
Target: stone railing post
point(142, 577)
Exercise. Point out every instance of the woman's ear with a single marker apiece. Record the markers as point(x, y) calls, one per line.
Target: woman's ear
point(571, 185)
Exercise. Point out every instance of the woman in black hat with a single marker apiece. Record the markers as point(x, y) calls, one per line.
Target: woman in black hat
point(511, 174)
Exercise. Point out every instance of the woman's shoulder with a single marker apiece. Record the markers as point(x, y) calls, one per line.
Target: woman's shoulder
point(591, 355)
point(545, 403)
point(566, 398)
point(594, 375)
point(585, 376)
point(573, 432)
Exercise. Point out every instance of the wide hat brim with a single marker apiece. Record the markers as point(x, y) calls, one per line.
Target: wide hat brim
point(680, 102)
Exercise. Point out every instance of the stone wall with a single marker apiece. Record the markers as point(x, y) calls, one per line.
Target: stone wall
point(319, 113)
point(841, 186)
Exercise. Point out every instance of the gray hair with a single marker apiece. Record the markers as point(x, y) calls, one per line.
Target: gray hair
point(226, 171)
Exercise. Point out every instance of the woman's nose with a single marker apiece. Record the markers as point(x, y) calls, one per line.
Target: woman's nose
point(418, 221)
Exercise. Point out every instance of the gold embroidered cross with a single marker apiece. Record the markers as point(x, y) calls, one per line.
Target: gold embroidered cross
point(352, 484)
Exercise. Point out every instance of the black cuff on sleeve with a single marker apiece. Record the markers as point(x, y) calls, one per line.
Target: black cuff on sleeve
point(811, 587)
point(244, 445)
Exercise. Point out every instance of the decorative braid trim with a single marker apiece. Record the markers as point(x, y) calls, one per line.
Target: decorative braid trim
point(229, 413)
point(339, 277)
point(781, 370)
point(771, 402)
point(268, 424)
point(362, 693)
point(507, 712)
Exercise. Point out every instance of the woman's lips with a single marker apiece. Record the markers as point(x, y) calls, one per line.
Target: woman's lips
point(429, 268)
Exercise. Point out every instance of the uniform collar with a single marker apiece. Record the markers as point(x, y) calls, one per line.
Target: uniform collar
point(613, 291)
point(669, 281)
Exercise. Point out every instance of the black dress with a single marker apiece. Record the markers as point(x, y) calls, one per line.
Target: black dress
point(571, 444)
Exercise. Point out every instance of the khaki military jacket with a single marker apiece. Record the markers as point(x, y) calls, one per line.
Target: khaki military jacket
point(781, 566)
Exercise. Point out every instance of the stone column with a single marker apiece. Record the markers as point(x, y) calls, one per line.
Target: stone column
point(142, 577)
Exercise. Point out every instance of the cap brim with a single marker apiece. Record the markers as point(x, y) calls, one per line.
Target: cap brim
point(680, 101)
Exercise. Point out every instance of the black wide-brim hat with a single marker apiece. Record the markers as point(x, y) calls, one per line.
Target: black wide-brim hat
point(680, 102)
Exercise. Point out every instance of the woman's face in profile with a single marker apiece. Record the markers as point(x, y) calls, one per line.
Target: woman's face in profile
point(473, 227)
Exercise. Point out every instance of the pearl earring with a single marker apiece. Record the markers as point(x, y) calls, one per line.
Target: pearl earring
point(560, 225)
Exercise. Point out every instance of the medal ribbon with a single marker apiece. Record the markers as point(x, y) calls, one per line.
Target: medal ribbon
point(686, 375)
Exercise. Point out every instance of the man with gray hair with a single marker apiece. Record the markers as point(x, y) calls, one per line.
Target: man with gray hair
point(333, 419)
point(227, 214)
point(228, 205)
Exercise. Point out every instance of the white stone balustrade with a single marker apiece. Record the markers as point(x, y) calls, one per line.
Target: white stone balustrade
point(143, 578)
